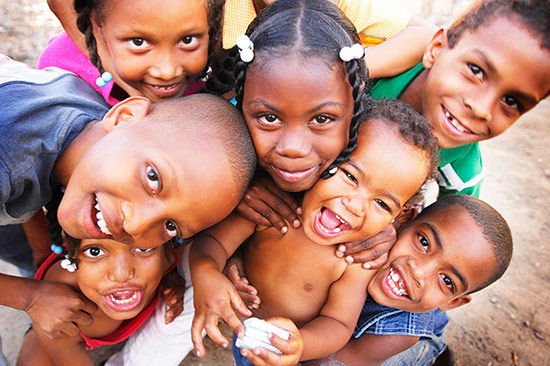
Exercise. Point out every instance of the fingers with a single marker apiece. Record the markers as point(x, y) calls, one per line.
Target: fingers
point(251, 214)
point(88, 307)
point(196, 335)
point(377, 263)
point(82, 319)
point(371, 255)
point(268, 213)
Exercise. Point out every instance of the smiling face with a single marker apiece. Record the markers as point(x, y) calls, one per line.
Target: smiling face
point(119, 278)
point(298, 111)
point(481, 86)
point(154, 49)
point(437, 259)
point(368, 191)
point(145, 182)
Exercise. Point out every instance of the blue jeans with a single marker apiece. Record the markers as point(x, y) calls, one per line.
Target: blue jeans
point(423, 353)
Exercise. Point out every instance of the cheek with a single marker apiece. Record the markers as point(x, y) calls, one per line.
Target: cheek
point(331, 145)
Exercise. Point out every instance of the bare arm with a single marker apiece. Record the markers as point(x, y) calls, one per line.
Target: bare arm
point(402, 51)
point(36, 231)
point(368, 350)
point(55, 308)
point(64, 11)
point(214, 295)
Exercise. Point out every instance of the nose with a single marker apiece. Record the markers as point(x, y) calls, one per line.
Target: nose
point(122, 271)
point(166, 66)
point(142, 224)
point(480, 105)
point(420, 269)
point(355, 204)
point(294, 143)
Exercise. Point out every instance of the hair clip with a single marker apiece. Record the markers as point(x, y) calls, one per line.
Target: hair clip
point(246, 48)
point(68, 264)
point(104, 79)
point(356, 51)
point(207, 74)
point(57, 249)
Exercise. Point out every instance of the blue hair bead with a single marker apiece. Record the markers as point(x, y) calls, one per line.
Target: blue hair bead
point(104, 79)
point(57, 249)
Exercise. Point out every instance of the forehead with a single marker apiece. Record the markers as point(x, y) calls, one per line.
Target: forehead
point(463, 243)
point(510, 54)
point(303, 77)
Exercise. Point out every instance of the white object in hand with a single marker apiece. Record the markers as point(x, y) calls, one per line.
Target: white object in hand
point(256, 334)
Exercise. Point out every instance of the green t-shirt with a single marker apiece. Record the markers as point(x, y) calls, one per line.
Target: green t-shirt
point(460, 169)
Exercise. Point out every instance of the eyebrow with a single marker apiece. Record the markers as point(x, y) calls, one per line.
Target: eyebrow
point(314, 109)
point(440, 246)
point(490, 66)
point(388, 195)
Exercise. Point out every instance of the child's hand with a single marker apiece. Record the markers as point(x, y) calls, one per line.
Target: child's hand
point(214, 297)
point(266, 204)
point(292, 349)
point(173, 289)
point(234, 270)
point(57, 308)
point(373, 252)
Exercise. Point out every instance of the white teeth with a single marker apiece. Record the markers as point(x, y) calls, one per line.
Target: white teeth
point(123, 301)
point(341, 220)
point(101, 223)
point(454, 122)
point(337, 230)
point(396, 286)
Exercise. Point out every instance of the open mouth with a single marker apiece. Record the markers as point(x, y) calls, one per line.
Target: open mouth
point(125, 300)
point(329, 224)
point(396, 283)
point(455, 123)
point(166, 91)
point(99, 220)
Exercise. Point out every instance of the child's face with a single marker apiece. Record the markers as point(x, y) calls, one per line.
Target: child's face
point(298, 111)
point(368, 191)
point(477, 89)
point(119, 278)
point(436, 260)
point(151, 183)
point(154, 49)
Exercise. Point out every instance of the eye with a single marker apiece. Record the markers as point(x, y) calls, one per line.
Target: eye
point(143, 250)
point(93, 252)
point(476, 70)
point(268, 119)
point(171, 228)
point(448, 282)
point(152, 179)
point(138, 42)
point(512, 102)
point(187, 40)
point(321, 120)
point(424, 242)
point(350, 176)
point(383, 204)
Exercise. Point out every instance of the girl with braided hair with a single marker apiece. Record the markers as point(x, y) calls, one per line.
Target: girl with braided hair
point(157, 49)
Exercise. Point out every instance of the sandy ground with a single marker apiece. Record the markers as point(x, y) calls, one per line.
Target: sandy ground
point(506, 324)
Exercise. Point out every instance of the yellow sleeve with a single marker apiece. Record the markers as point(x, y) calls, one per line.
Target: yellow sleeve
point(238, 14)
point(375, 20)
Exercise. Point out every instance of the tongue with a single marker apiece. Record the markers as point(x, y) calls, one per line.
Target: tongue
point(329, 219)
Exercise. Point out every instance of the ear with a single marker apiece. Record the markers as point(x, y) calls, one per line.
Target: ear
point(408, 213)
point(130, 109)
point(454, 303)
point(435, 47)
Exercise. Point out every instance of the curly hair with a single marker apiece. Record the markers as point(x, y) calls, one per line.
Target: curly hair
point(310, 28)
point(412, 127)
point(85, 9)
point(534, 15)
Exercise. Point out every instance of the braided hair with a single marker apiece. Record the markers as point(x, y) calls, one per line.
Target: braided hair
point(312, 28)
point(85, 9)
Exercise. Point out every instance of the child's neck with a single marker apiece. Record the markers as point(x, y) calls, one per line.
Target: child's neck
point(412, 95)
point(68, 159)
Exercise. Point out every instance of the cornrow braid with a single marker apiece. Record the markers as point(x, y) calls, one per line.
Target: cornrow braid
point(84, 10)
point(215, 14)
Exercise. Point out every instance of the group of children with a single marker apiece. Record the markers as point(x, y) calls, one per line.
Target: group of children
point(131, 171)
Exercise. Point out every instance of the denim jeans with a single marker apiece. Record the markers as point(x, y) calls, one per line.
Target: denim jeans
point(423, 353)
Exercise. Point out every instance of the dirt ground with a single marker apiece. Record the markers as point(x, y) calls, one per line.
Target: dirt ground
point(506, 324)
